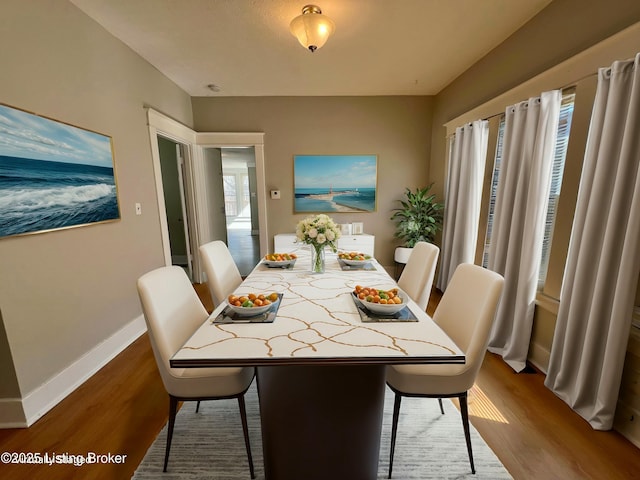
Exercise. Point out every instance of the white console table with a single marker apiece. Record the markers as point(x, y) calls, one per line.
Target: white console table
point(285, 242)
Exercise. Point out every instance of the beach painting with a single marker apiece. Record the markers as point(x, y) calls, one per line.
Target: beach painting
point(53, 175)
point(334, 183)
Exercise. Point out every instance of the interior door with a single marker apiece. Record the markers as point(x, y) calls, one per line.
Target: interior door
point(214, 193)
point(183, 204)
point(173, 187)
point(200, 213)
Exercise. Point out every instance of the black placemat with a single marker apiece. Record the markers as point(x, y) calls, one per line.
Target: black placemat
point(365, 266)
point(367, 316)
point(278, 267)
point(228, 315)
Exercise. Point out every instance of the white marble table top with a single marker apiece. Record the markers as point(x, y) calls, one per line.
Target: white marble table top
point(317, 323)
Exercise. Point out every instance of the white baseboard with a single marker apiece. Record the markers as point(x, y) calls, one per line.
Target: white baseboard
point(39, 401)
point(11, 413)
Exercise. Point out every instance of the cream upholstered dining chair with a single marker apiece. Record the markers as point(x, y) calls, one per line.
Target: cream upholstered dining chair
point(223, 276)
point(417, 277)
point(173, 311)
point(465, 313)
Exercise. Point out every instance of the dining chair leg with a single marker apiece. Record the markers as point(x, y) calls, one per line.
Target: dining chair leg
point(173, 408)
point(465, 424)
point(441, 407)
point(245, 429)
point(394, 429)
point(198, 406)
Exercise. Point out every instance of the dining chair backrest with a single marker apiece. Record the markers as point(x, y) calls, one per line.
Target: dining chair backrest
point(223, 276)
point(467, 309)
point(417, 277)
point(172, 311)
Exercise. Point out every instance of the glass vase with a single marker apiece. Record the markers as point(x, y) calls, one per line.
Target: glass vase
point(317, 259)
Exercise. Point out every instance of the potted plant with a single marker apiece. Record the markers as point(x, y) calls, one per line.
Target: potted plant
point(417, 220)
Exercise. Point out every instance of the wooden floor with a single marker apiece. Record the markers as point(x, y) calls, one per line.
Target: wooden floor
point(244, 247)
point(121, 409)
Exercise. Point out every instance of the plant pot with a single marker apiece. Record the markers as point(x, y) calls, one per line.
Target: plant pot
point(402, 254)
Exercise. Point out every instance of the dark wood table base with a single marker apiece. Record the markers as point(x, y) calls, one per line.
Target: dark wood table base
point(321, 422)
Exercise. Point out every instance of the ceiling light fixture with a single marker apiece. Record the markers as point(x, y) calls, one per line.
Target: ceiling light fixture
point(312, 29)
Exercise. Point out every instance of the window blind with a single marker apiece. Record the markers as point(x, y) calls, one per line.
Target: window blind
point(560, 154)
point(562, 143)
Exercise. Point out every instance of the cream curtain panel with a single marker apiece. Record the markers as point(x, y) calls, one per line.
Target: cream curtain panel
point(603, 262)
point(463, 198)
point(519, 218)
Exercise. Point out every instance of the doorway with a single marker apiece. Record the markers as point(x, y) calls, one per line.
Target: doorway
point(202, 213)
point(241, 206)
point(172, 167)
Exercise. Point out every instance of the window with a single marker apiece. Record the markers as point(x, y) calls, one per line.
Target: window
point(237, 197)
point(562, 142)
point(230, 201)
point(246, 195)
point(494, 190)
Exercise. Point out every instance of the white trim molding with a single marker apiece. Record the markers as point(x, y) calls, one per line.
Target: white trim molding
point(245, 139)
point(160, 124)
point(548, 303)
point(39, 401)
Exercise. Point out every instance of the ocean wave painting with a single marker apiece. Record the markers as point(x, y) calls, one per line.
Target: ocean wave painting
point(52, 175)
point(335, 183)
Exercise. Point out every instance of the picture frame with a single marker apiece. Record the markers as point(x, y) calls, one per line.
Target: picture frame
point(53, 175)
point(357, 228)
point(335, 183)
point(345, 228)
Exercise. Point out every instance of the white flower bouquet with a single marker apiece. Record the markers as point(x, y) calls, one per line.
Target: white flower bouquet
point(319, 231)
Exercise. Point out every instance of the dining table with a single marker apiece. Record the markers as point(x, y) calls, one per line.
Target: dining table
point(320, 357)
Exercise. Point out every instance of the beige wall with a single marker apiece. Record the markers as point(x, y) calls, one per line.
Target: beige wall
point(65, 292)
point(563, 29)
point(396, 129)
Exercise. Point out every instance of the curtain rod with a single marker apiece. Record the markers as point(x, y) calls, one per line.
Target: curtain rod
point(570, 84)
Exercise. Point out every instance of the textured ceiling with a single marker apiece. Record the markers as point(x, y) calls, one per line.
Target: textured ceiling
point(380, 47)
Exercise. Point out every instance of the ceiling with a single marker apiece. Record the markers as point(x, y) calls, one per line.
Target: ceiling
point(380, 47)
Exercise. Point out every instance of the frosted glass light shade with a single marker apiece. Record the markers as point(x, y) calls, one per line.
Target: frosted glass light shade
point(312, 29)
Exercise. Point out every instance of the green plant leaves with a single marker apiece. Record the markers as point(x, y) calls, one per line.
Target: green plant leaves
point(419, 218)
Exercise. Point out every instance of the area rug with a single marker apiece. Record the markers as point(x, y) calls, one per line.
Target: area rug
point(209, 444)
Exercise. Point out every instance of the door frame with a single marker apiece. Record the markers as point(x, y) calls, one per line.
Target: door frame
point(184, 188)
point(194, 144)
